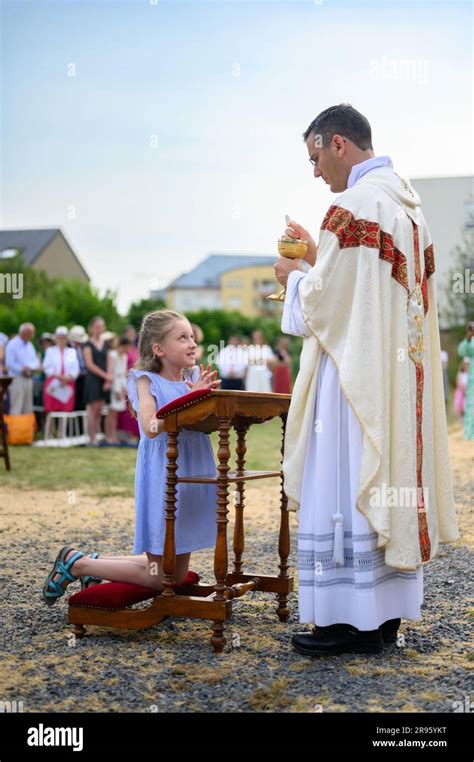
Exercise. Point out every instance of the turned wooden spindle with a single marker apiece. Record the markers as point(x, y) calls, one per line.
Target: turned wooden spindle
point(169, 551)
point(4, 383)
point(239, 535)
point(218, 639)
point(284, 538)
point(239, 589)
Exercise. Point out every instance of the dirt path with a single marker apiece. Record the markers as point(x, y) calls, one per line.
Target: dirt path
point(171, 667)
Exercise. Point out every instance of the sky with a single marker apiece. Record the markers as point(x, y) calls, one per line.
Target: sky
point(156, 132)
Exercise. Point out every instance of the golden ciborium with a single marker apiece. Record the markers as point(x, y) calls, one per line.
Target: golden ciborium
point(292, 248)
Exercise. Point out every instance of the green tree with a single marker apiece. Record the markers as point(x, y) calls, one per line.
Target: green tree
point(49, 302)
point(459, 293)
point(138, 310)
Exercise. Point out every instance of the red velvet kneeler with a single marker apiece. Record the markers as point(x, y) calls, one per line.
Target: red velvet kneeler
point(117, 595)
point(181, 402)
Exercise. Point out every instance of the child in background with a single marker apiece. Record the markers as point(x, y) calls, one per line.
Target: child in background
point(459, 402)
point(119, 385)
point(165, 371)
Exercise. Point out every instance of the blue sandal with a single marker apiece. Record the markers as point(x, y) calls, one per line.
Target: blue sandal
point(52, 588)
point(87, 579)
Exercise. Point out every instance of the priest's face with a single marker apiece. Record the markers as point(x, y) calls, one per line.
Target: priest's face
point(330, 162)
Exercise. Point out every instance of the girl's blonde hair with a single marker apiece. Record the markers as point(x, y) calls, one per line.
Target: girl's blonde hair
point(154, 329)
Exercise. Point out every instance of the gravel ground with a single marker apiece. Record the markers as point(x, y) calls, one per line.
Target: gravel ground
point(171, 667)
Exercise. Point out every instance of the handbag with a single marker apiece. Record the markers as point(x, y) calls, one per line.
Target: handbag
point(20, 428)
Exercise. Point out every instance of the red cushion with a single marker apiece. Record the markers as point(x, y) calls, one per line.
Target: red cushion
point(116, 595)
point(181, 402)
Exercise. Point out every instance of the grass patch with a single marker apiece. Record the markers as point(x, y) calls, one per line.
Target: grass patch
point(273, 697)
point(111, 471)
point(106, 472)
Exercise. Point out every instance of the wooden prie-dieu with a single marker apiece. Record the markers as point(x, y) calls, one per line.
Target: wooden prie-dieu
point(218, 411)
point(5, 382)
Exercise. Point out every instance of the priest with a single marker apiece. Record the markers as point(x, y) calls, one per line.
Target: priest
point(366, 462)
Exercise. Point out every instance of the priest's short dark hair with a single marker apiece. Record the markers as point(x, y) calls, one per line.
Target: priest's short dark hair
point(342, 120)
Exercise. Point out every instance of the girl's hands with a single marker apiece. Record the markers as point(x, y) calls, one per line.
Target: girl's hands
point(207, 379)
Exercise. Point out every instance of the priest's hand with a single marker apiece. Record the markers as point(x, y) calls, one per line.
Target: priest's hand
point(284, 266)
point(294, 230)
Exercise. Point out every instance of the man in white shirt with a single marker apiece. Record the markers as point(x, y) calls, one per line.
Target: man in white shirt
point(232, 363)
point(21, 361)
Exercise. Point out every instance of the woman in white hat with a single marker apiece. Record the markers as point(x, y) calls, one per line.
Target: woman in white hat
point(61, 368)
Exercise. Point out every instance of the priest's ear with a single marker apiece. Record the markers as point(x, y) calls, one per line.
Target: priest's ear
point(339, 144)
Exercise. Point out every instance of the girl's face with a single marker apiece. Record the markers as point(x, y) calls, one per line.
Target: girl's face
point(179, 348)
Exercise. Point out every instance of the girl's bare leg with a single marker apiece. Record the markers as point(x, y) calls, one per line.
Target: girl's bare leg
point(155, 566)
point(146, 575)
point(142, 560)
point(139, 559)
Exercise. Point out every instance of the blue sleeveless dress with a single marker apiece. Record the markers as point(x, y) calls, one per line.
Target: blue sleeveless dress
point(195, 524)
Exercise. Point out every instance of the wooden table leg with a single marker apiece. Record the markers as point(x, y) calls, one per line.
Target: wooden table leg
point(4, 451)
point(284, 539)
point(79, 630)
point(169, 552)
point(218, 639)
point(239, 536)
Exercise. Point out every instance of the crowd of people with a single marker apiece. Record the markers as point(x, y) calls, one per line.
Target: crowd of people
point(75, 369)
point(253, 366)
point(79, 369)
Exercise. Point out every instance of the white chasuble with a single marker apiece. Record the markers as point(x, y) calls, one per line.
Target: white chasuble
point(363, 591)
point(366, 454)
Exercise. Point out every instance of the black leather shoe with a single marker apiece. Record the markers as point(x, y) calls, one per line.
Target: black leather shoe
point(338, 639)
point(389, 630)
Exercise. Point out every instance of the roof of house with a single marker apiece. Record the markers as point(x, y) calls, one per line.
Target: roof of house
point(32, 242)
point(207, 273)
